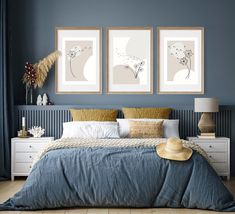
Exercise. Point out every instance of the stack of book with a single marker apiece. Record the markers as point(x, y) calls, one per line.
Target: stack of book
point(207, 135)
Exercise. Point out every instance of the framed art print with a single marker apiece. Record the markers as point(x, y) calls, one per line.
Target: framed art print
point(78, 70)
point(129, 60)
point(180, 60)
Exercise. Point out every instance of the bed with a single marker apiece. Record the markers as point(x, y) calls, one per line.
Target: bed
point(119, 173)
point(115, 164)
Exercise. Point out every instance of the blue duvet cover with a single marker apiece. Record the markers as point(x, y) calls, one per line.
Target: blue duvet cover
point(120, 177)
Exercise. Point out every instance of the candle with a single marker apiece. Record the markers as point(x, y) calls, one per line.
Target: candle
point(23, 121)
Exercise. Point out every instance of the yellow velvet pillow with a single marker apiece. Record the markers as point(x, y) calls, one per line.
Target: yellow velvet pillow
point(154, 113)
point(143, 129)
point(93, 114)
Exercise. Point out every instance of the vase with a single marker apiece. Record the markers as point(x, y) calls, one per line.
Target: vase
point(28, 95)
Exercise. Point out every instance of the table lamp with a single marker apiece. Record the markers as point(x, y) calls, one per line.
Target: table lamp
point(207, 106)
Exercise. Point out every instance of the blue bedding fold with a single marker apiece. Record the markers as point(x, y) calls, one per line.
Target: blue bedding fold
point(120, 177)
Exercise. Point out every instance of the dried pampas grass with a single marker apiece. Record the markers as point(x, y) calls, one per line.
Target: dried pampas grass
point(43, 67)
point(35, 75)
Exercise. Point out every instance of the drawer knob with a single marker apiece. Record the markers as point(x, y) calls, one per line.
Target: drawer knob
point(30, 146)
point(30, 166)
point(210, 156)
point(210, 146)
point(30, 156)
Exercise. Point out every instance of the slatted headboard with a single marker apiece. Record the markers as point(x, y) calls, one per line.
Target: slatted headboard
point(52, 117)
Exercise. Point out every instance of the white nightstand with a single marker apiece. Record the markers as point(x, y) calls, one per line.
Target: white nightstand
point(218, 150)
point(23, 151)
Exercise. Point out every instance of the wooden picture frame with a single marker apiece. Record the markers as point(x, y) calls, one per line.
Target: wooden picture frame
point(129, 60)
point(180, 60)
point(79, 69)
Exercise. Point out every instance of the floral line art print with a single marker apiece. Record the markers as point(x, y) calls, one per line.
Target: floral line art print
point(138, 68)
point(73, 53)
point(78, 70)
point(128, 60)
point(183, 55)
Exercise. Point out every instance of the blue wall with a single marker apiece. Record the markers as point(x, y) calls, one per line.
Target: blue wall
point(32, 24)
point(32, 34)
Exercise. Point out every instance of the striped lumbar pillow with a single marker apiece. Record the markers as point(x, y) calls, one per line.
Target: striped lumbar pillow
point(142, 129)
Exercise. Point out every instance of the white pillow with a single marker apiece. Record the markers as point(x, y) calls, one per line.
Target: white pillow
point(91, 129)
point(171, 127)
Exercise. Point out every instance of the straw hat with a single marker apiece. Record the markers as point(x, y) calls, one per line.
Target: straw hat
point(173, 149)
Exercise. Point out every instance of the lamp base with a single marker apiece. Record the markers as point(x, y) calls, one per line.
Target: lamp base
point(206, 123)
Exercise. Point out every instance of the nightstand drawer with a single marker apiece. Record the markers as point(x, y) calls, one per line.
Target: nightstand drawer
point(23, 167)
point(218, 157)
point(213, 141)
point(25, 157)
point(29, 147)
point(220, 167)
point(214, 147)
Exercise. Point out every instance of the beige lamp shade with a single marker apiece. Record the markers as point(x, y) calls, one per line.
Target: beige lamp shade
point(206, 105)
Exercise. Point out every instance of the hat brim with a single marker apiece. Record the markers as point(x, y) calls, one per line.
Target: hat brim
point(181, 156)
